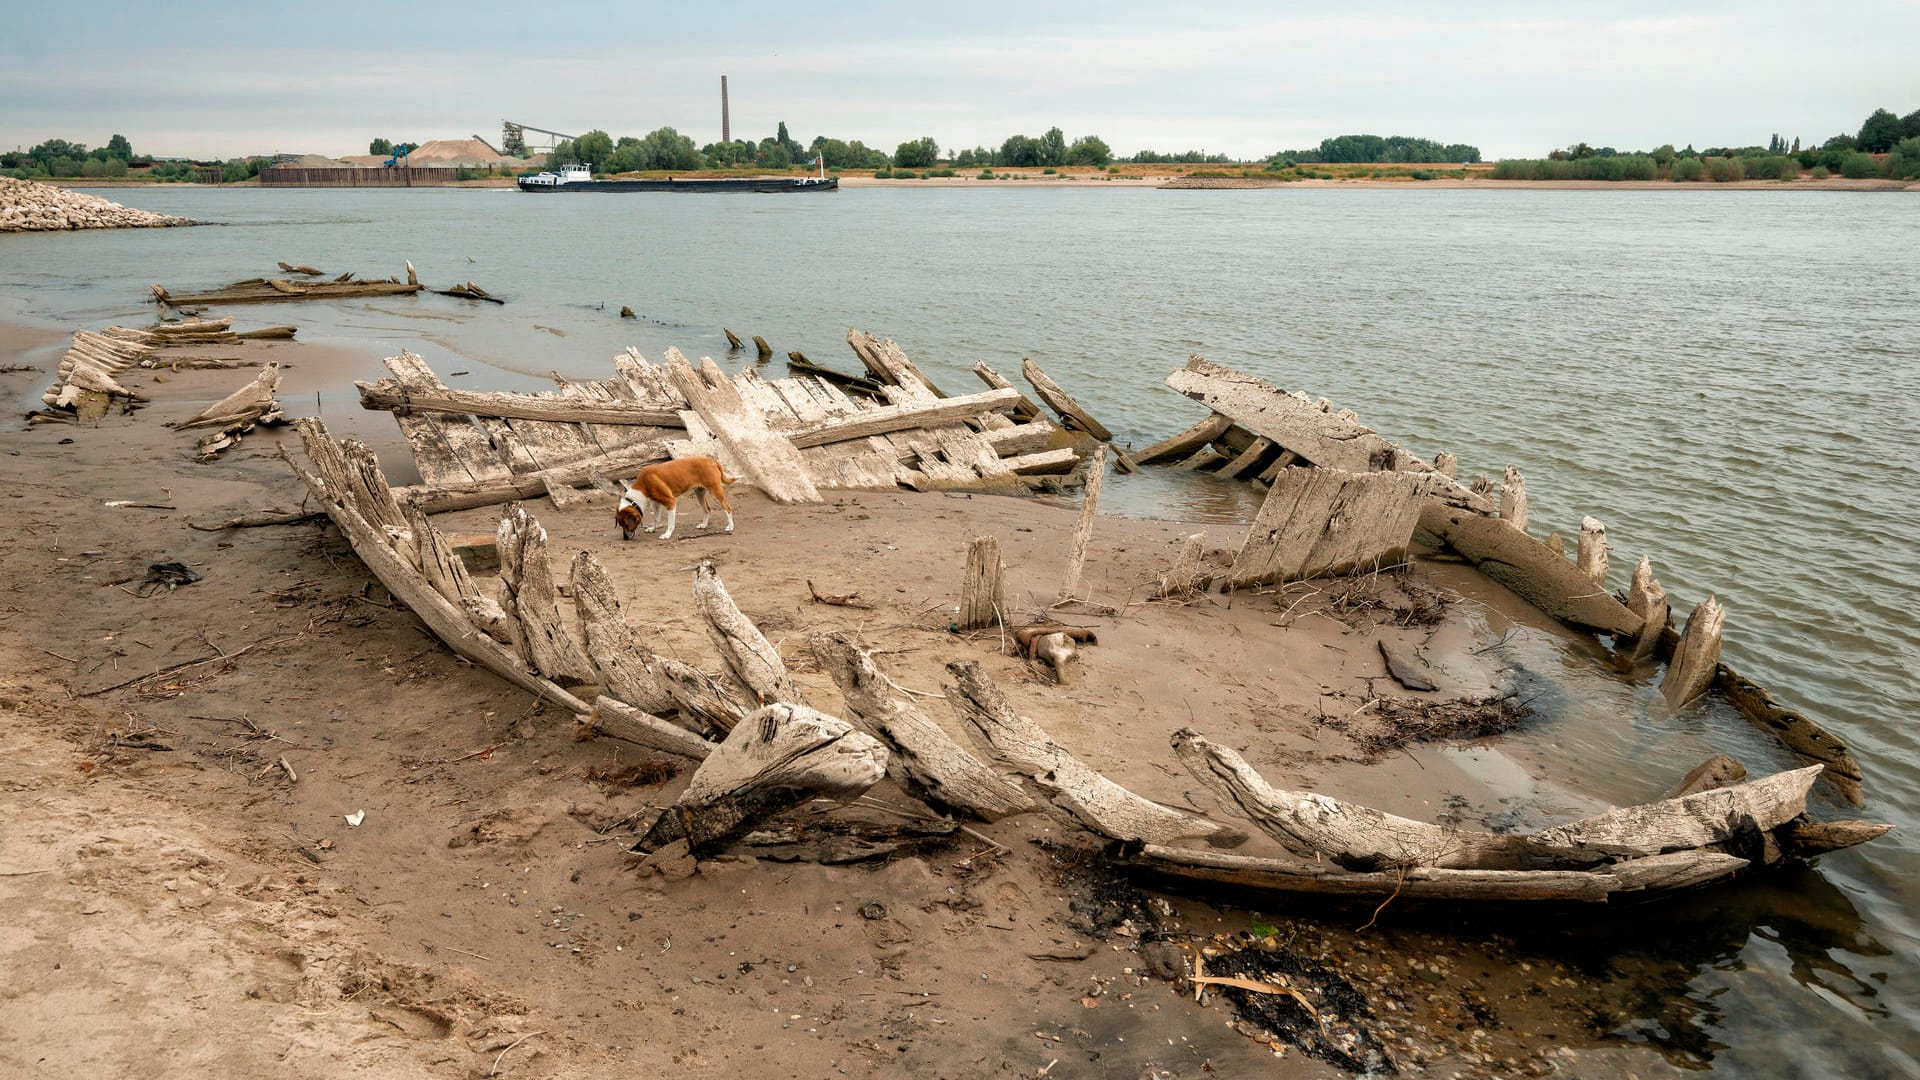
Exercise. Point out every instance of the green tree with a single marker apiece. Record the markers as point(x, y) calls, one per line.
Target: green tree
point(1018, 151)
point(1053, 147)
point(1089, 150)
point(1663, 155)
point(1841, 142)
point(774, 154)
point(1910, 125)
point(666, 148)
point(119, 148)
point(54, 149)
point(918, 154)
point(1879, 133)
point(593, 149)
point(383, 147)
point(794, 150)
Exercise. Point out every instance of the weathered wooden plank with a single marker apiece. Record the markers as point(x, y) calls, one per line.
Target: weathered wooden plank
point(1697, 658)
point(1658, 873)
point(400, 396)
point(1289, 420)
point(943, 412)
point(1083, 532)
point(1246, 459)
point(1184, 444)
point(621, 464)
point(1525, 565)
point(1072, 414)
point(528, 593)
point(889, 364)
point(1316, 522)
point(1025, 411)
point(1021, 439)
point(767, 460)
point(1046, 462)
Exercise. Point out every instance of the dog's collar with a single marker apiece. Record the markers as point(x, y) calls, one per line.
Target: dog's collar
point(632, 498)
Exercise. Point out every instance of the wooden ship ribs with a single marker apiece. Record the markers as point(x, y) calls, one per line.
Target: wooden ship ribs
point(792, 437)
point(789, 437)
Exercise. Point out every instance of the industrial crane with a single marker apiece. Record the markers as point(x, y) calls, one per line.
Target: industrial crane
point(513, 138)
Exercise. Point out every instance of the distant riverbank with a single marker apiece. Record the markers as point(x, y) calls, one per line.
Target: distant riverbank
point(1179, 179)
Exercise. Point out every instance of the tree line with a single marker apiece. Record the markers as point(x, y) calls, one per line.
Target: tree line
point(1855, 156)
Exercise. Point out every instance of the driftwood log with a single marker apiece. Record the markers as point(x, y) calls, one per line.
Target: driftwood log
point(1592, 557)
point(744, 649)
point(398, 397)
point(618, 720)
point(1074, 788)
point(1362, 838)
point(1525, 565)
point(776, 759)
point(238, 413)
point(924, 760)
point(1657, 873)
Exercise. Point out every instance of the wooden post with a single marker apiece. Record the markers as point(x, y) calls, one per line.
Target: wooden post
point(745, 649)
point(733, 340)
point(1026, 411)
point(1077, 558)
point(1696, 659)
point(1513, 499)
point(1593, 550)
point(983, 593)
point(1182, 579)
point(1648, 600)
point(1446, 464)
point(760, 345)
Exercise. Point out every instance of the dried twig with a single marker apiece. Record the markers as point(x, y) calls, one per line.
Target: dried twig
point(496, 1061)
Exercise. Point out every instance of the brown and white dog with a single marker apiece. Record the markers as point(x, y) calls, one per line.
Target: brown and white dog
point(657, 490)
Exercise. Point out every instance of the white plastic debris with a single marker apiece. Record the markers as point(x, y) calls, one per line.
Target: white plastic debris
point(354, 819)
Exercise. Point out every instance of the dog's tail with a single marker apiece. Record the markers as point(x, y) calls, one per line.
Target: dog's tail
point(725, 479)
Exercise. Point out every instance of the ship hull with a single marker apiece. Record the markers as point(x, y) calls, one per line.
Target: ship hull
point(749, 184)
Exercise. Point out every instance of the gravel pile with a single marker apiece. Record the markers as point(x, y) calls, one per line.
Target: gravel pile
point(29, 207)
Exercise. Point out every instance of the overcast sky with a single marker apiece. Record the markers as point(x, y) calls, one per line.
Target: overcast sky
point(218, 78)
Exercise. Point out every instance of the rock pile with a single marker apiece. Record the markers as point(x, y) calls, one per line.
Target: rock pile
point(29, 207)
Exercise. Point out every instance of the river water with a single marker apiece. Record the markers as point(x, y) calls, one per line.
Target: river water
point(1729, 380)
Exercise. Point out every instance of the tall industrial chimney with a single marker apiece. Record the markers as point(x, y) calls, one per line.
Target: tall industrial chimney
point(726, 125)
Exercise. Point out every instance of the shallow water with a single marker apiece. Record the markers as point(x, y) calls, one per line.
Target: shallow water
point(1729, 380)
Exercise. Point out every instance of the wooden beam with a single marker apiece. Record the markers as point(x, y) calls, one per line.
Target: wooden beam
point(1185, 443)
point(891, 418)
point(1057, 399)
point(395, 396)
point(766, 460)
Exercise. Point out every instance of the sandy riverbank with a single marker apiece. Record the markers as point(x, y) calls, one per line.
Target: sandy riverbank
point(478, 903)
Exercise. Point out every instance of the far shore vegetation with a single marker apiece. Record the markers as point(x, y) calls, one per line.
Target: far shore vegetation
point(1887, 146)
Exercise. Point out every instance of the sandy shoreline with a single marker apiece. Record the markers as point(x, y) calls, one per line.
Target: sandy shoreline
point(479, 902)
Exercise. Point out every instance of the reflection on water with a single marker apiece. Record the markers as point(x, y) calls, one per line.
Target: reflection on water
point(1714, 375)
